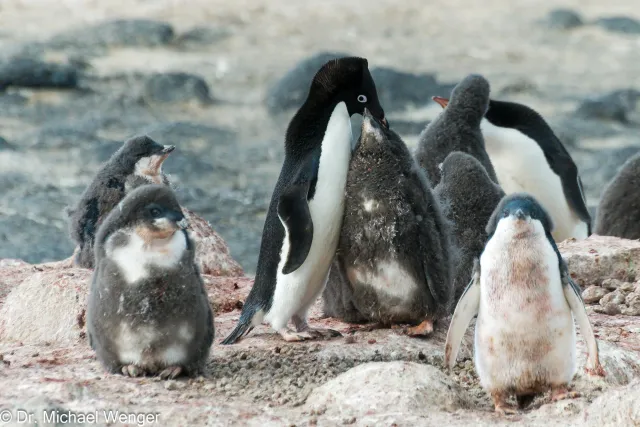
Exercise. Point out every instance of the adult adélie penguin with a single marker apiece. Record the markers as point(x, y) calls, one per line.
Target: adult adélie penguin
point(303, 223)
point(528, 157)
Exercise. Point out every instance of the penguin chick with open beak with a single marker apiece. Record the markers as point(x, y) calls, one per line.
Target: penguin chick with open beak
point(148, 311)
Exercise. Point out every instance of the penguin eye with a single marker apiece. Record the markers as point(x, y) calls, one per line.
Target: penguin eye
point(155, 212)
point(362, 98)
point(505, 214)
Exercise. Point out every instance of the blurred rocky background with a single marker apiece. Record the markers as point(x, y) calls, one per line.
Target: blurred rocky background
point(221, 79)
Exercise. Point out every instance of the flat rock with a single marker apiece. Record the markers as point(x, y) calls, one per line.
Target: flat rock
point(593, 294)
point(597, 258)
point(116, 33)
point(563, 19)
point(617, 408)
point(291, 89)
point(619, 24)
point(387, 389)
point(34, 73)
point(202, 36)
point(171, 88)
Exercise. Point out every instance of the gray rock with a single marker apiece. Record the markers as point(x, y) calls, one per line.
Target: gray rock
point(291, 89)
point(616, 297)
point(598, 167)
point(633, 304)
point(612, 284)
point(615, 106)
point(593, 294)
point(619, 24)
point(200, 36)
point(31, 241)
point(116, 33)
point(34, 73)
point(610, 308)
point(626, 287)
point(563, 19)
point(177, 87)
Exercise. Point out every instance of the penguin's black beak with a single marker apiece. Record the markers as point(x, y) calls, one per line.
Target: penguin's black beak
point(168, 149)
point(384, 122)
point(443, 102)
point(520, 214)
point(178, 219)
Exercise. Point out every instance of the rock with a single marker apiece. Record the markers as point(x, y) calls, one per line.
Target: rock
point(593, 294)
point(598, 167)
point(612, 284)
point(399, 89)
point(627, 287)
point(33, 73)
point(615, 106)
point(199, 36)
point(633, 304)
point(597, 258)
point(563, 19)
point(616, 297)
point(4, 145)
point(388, 388)
point(291, 89)
point(212, 253)
point(116, 33)
point(616, 408)
point(48, 306)
point(227, 294)
point(177, 87)
point(619, 24)
point(31, 241)
point(610, 308)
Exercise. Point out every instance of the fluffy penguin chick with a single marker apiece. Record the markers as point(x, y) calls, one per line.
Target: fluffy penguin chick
point(526, 304)
point(618, 213)
point(468, 198)
point(394, 243)
point(302, 227)
point(528, 157)
point(457, 128)
point(337, 297)
point(148, 310)
point(137, 162)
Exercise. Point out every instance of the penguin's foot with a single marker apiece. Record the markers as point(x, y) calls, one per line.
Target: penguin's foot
point(500, 404)
point(132, 371)
point(293, 336)
point(170, 372)
point(562, 392)
point(303, 327)
point(423, 329)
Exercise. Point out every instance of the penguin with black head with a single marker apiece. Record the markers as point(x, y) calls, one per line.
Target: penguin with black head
point(528, 157)
point(138, 162)
point(303, 223)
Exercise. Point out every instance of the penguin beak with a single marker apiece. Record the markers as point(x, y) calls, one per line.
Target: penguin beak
point(520, 214)
point(168, 149)
point(384, 122)
point(183, 224)
point(443, 102)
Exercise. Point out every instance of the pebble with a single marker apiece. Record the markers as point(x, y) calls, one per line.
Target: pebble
point(177, 87)
point(593, 294)
point(34, 73)
point(563, 19)
point(619, 24)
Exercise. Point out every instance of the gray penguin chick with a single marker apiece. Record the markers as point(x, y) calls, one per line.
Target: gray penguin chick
point(337, 297)
point(137, 162)
point(457, 128)
point(468, 198)
point(618, 211)
point(148, 310)
point(394, 242)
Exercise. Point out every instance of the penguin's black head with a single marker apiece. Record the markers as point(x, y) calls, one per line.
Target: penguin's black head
point(147, 152)
point(470, 97)
point(459, 164)
point(152, 210)
point(518, 209)
point(348, 80)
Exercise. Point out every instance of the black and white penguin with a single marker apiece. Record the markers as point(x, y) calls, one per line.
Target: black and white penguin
point(468, 197)
point(137, 162)
point(302, 227)
point(394, 242)
point(457, 128)
point(528, 157)
point(618, 212)
point(148, 310)
point(522, 281)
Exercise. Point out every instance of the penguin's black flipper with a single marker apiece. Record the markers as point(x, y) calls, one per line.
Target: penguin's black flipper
point(294, 213)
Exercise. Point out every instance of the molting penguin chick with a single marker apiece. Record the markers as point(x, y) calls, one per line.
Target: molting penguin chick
point(457, 128)
point(468, 198)
point(148, 310)
point(526, 303)
point(528, 157)
point(302, 227)
point(394, 242)
point(137, 162)
point(618, 212)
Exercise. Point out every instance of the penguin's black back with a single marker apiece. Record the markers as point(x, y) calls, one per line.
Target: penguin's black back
point(618, 212)
point(468, 198)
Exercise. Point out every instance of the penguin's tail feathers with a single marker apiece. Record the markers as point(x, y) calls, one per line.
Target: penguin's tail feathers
point(243, 327)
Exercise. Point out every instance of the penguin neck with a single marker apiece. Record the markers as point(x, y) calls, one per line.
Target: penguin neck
point(317, 125)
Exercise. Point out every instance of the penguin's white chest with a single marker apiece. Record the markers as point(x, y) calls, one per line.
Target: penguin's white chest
point(521, 166)
point(296, 291)
point(525, 336)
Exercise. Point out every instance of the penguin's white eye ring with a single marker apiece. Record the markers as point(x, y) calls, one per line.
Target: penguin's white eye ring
point(362, 98)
